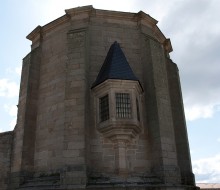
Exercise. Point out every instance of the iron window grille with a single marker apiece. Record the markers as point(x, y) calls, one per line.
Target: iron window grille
point(123, 105)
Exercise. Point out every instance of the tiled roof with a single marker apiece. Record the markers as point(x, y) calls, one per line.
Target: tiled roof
point(115, 66)
point(209, 185)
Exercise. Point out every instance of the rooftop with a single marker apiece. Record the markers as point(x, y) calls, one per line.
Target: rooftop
point(209, 185)
point(115, 66)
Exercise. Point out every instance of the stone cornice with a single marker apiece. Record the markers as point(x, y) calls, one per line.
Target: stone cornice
point(118, 83)
point(61, 20)
point(159, 34)
point(113, 14)
point(34, 33)
point(147, 18)
point(79, 10)
point(167, 45)
point(40, 30)
point(140, 17)
point(163, 40)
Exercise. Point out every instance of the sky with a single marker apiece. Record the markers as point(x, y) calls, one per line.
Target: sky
point(194, 29)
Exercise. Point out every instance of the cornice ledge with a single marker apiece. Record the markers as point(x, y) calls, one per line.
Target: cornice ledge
point(113, 14)
point(160, 36)
point(146, 17)
point(40, 30)
point(163, 40)
point(78, 10)
point(167, 45)
point(36, 32)
point(55, 23)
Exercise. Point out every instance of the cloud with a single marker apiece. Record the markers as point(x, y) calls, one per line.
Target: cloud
point(194, 30)
point(207, 170)
point(12, 123)
point(8, 89)
point(18, 70)
point(12, 111)
point(52, 9)
point(12, 71)
point(197, 111)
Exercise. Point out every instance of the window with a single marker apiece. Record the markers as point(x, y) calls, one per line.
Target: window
point(123, 105)
point(104, 108)
point(138, 111)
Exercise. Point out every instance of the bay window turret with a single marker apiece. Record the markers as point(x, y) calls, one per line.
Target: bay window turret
point(117, 97)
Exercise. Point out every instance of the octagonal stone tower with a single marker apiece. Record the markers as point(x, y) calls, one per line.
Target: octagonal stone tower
point(100, 107)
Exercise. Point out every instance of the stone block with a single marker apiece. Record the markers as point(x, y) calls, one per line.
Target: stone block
point(76, 145)
point(71, 153)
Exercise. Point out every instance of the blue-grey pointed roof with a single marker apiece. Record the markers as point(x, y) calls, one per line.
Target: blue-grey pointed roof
point(115, 66)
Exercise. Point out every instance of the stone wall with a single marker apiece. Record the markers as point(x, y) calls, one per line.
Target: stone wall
point(5, 158)
point(60, 133)
point(101, 153)
point(56, 133)
point(159, 116)
point(22, 161)
point(182, 144)
point(74, 145)
point(50, 111)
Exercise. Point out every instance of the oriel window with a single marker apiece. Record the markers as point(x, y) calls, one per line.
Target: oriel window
point(123, 105)
point(104, 108)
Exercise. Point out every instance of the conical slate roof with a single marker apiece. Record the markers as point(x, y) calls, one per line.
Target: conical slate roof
point(115, 66)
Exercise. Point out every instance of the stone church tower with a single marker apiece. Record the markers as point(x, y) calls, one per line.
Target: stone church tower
point(100, 107)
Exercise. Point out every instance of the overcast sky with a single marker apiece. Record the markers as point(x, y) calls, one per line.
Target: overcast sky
point(194, 29)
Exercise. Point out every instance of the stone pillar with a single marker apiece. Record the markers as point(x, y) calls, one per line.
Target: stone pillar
point(159, 115)
point(120, 157)
point(182, 144)
point(24, 134)
point(74, 146)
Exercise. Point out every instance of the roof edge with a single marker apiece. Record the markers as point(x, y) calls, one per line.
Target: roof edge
point(147, 17)
point(34, 33)
point(77, 10)
point(140, 17)
point(39, 30)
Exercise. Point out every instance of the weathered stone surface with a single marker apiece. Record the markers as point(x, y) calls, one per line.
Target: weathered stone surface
point(5, 158)
point(59, 143)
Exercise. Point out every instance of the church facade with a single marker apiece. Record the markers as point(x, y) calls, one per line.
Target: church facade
point(100, 107)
